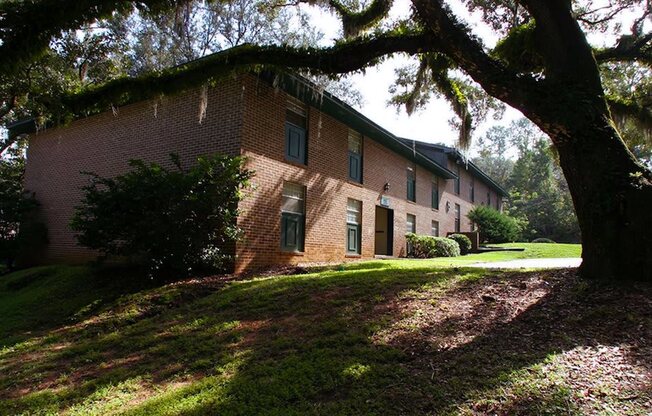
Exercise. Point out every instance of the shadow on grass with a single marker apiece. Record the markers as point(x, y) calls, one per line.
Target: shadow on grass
point(357, 341)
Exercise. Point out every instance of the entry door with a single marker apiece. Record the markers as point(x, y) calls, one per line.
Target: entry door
point(384, 232)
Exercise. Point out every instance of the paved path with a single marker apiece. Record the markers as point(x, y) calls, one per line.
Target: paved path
point(531, 264)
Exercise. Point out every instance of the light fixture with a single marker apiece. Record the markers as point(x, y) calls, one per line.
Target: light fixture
point(386, 187)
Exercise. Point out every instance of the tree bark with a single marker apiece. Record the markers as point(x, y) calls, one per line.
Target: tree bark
point(612, 194)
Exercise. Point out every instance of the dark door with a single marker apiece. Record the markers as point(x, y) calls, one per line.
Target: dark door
point(384, 239)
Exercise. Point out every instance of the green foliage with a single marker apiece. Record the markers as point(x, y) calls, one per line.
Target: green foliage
point(494, 226)
point(463, 241)
point(18, 233)
point(425, 246)
point(543, 241)
point(174, 222)
point(519, 49)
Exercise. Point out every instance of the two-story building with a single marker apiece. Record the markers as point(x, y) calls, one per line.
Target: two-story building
point(330, 184)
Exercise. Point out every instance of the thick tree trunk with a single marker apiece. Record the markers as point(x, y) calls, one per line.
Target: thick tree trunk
point(612, 194)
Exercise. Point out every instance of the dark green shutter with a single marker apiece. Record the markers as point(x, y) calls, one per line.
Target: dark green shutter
point(355, 167)
point(353, 238)
point(295, 143)
point(292, 234)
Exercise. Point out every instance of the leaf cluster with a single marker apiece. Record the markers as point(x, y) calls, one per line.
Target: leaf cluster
point(494, 226)
point(172, 221)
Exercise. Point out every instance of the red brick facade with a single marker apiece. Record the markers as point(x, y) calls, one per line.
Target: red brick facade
point(244, 116)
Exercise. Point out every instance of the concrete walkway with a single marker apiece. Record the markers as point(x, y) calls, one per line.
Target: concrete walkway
point(532, 264)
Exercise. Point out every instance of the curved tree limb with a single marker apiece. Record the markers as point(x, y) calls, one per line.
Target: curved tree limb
point(467, 53)
point(629, 48)
point(345, 57)
point(354, 22)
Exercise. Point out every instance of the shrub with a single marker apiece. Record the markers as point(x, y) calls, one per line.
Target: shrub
point(494, 226)
point(425, 246)
point(542, 240)
point(20, 235)
point(174, 222)
point(463, 241)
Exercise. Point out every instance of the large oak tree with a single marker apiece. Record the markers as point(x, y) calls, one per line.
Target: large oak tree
point(544, 67)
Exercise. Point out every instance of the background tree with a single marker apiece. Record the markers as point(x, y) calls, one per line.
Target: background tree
point(520, 157)
point(543, 66)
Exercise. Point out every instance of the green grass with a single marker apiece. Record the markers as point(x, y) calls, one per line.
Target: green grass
point(532, 251)
point(367, 338)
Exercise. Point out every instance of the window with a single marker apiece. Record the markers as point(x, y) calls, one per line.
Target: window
point(434, 194)
point(489, 199)
point(410, 227)
point(295, 131)
point(497, 204)
point(434, 229)
point(353, 225)
point(458, 214)
point(293, 217)
point(411, 185)
point(411, 224)
point(355, 156)
point(472, 190)
point(457, 180)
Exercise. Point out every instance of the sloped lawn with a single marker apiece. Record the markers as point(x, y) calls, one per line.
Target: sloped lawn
point(376, 338)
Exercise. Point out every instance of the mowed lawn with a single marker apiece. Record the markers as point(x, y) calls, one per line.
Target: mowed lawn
point(368, 338)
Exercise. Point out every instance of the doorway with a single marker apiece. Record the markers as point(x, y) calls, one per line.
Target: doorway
point(384, 242)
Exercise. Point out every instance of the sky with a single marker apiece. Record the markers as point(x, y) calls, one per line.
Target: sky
point(430, 124)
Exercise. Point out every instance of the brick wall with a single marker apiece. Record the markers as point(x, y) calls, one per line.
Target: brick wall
point(104, 143)
point(328, 187)
point(151, 130)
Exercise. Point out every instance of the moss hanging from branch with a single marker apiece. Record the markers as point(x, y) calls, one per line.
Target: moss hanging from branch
point(344, 57)
point(355, 22)
point(439, 66)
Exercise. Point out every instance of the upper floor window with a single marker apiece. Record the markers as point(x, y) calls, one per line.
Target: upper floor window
point(457, 180)
point(411, 184)
point(355, 156)
point(472, 190)
point(489, 199)
point(353, 226)
point(296, 123)
point(458, 217)
point(293, 217)
point(434, 193)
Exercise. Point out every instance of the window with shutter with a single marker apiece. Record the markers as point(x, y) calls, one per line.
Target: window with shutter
point(295, 131)
point(411, 184)
point(353, 226)
point(293, 217)
point(355, 156)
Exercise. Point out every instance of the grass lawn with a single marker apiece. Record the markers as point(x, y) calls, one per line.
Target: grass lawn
point(368, 338)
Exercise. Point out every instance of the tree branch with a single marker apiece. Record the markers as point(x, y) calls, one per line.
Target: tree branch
point(467, 53)
point(354, 22)
point(629, 48)
point(342, 58)
point(27, 27)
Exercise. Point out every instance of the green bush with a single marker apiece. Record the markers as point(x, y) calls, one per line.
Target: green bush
point(174, 222)
point(425, 246)
point(463, 241)
point(542, 240)
point(494, 226)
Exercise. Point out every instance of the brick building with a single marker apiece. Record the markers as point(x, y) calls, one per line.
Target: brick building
point(330, 184)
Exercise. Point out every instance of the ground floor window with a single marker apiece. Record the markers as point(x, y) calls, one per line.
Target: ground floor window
point(458, 217)
point(434, 229)
point(293, 217)
point(353, 226)
point(410, 227)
